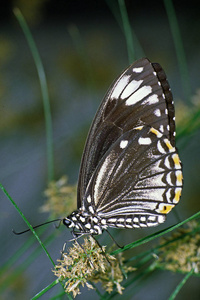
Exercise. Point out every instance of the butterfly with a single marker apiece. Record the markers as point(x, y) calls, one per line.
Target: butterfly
point(130, 174)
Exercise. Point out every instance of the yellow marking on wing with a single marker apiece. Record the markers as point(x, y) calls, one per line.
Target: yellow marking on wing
point(176, 160)
point(177, 195)
point(139, 127)
point(168, 144)
point(165, 208)
point(153, 130)
point(179, 177)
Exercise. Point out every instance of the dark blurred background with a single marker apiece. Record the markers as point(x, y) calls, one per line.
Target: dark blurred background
point(78, 77)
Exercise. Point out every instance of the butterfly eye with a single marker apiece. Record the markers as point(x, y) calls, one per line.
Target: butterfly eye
point(67, 222)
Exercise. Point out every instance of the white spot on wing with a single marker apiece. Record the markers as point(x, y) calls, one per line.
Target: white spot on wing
point(144, 141)
point(131, 88)
point(167, 163)
point(151, 100)
point(160, 148)
point(138, 70)
point(122, 83)
point(89, 199)
point(91, 209)
point(168, 195)
point(100, 177)
point(161, 219)
point(157, 112)
point(123, 144)
point(139, 95)
point(168, 178)
point(161, 128)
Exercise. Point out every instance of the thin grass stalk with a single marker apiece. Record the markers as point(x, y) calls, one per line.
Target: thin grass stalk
point(180, 285)
point(44, 91)
point(180, 53)
point(127, 31)
point(153, 236)
point(27, 222)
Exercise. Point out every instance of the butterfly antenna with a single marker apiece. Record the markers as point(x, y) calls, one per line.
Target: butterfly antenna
point(21, 232)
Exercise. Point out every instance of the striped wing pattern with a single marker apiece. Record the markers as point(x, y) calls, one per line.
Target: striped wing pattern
point(138, 181)
point(130, 174)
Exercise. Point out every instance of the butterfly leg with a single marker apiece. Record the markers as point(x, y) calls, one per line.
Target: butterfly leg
point(103, 252)
point(76, 236)
point(113, 239)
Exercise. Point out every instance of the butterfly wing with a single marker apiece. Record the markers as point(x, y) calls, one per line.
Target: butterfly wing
point(137, 182)
point(140, 95)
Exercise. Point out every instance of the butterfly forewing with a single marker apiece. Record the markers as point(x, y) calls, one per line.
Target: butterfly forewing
point(139, 96)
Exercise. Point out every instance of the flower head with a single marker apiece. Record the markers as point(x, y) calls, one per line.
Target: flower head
point(89, 263)
point(61, 198)
point(181, 251)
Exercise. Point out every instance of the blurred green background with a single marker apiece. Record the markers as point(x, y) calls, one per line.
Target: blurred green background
point(83, 50)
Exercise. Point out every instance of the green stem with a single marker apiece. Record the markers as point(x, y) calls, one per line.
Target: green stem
point(127, 31)
point(27, 222)
point(154, 235)
point(180, 285)
point(44, 91)
point(180, 53)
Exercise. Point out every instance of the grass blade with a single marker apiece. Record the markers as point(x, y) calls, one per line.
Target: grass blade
point(44, 91)
point(180, 53)
point(27, 222)
point(180, 285)
point(154, 235)
point(127, 31)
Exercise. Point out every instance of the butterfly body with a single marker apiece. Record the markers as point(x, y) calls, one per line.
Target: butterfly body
point(85, 223)
point(131, 174)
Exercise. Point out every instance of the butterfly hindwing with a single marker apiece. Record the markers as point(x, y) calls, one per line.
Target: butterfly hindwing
point(139, 96)
point(138, 178)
